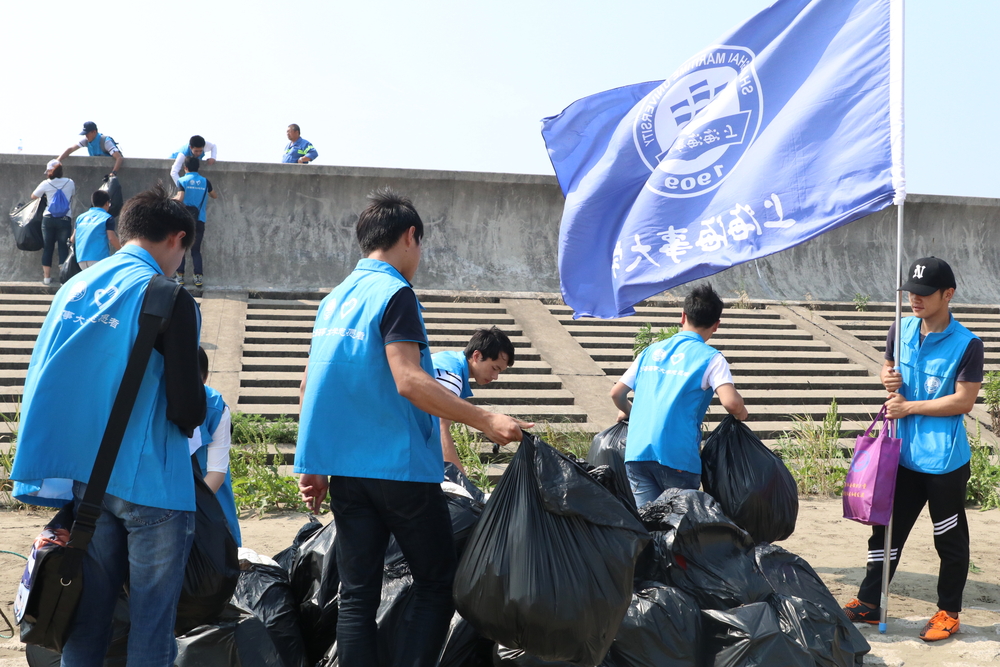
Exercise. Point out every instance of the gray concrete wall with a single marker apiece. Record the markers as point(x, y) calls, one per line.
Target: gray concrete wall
point(292, 227)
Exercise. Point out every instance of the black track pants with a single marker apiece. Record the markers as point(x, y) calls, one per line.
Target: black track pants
point(945, 496)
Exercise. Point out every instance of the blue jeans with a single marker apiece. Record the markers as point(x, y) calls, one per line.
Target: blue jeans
point(649, 479)
point(149, 545)
point(366, 512)
point(55, 232)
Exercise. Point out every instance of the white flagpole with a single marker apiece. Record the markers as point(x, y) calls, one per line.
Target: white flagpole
point(896, 71)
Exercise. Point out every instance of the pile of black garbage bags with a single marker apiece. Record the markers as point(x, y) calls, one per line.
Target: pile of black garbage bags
point(558, 567)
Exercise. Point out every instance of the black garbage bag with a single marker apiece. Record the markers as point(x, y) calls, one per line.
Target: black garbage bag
point(286, 557)
point(750, 481)
point(548, 568)
point(815, 630)
point(515, 657)
point(265, 591)
point(701, 551)
point(608, 449)
point(790, 575)
point(315, 583)
point(236, 639)
point(213, 567)
point(465, 647)
point(70, 267)
point(662, 627)
point(26, 224)
point(117, 655)
point(455, 476)
point(750, 635)
point(114, 190)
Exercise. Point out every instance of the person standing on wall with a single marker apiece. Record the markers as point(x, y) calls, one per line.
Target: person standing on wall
point(368, 407)
point(298, 149)
point(97, 144)
point(57, 225)
point(196, 147)
point(194, 191)
point(94, 233)
point(940, 371)
point(674, 381)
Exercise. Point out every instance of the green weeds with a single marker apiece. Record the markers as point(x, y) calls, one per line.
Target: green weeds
point(814, 455)
point(258, 483)
point(983, 488)
point(646, 337)
point(861, 301)
point(8, 445)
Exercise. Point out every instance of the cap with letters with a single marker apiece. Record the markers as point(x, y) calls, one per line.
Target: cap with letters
point(928, 275)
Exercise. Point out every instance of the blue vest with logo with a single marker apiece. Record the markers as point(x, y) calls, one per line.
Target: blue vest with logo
point(935, 445)
point(353, 421)
point(92, 236)
point(186, 150)
point(216, 407)
point(96, 147)
point(195, 192)
point(76, 366)
point(669, 403)
point(454, 362)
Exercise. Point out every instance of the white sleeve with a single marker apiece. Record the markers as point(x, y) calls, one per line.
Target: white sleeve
point(717, 373)
point(628, 379)
point(449, 381)
point(194, 442)
point(110, 146)
point(218, 449)
point(212, 150)
point(42, 189)
point(175, 171)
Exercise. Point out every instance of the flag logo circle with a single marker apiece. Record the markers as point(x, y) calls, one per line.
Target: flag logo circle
point(695, 127)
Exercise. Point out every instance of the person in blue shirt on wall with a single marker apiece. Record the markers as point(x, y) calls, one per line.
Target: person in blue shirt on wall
point(193, 190)
point(94, 236)
point(674, 381)
point(146, 524)
point(368, 434)
point(932, 385)
point(97, 144)
point(488, 354)
point(195, 147)
point(298, 149)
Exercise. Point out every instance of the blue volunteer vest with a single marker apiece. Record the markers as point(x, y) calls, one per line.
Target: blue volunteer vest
point(353, 421)
point(195, 192)
point(76, 367)
point(92, 236)
point(186, 150)
point(669, 403)
point(935, 445)
point(454, 362)
point(96, 147)
point(216, 407)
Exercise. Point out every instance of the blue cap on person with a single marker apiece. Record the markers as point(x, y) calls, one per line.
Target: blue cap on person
point(89, 126)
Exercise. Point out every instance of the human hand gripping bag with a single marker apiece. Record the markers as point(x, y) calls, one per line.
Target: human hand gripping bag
point(871, 480)
point(549, 567)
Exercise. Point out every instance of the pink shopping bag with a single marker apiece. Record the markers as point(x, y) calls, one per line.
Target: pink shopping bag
point(871, 479)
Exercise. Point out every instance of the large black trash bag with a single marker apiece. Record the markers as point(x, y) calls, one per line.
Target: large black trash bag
point(701, 551)
point(464, 647)
point(750, 481)
point(750, 636)
point(114, 190)
point(237, 638)
point(265, 591)
point(26, 224)
point(213, 566)
point(286, 557)
point(608, 449)
point(455, 476)
point(315, 583)
point(662, 627)
point(117, 655)
point(791, 575)
point(515, 657)
point(548, 568)
point(812, 628)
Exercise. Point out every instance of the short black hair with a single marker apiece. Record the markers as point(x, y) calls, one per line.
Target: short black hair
point(100, 198)
point(203, 364)
point(386, 219)
point(490, 343)
point(197, 141)
point(703, 306)
point(152, 215)
point(56, 173)
point(192, 164)
point(295, 127)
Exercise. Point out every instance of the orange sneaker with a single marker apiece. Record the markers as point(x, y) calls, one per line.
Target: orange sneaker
point(857, 612)
point(941, 626)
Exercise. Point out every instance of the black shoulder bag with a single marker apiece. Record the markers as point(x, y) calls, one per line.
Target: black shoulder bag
point(55, 571)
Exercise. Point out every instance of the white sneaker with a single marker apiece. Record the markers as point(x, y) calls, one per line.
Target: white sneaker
point(46, 281)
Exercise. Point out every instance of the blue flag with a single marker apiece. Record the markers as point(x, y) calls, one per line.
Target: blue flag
point(788, 127)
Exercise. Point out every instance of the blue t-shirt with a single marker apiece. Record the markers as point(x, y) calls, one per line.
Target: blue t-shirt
point(451, 369)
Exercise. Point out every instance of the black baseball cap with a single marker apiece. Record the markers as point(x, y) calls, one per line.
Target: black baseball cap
point(89, 126)
point(928, 275)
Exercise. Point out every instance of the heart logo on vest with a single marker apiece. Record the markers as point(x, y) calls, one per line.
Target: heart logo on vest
point(348, 308)
point(104, 297)
point(677, 358)
point(78, 291)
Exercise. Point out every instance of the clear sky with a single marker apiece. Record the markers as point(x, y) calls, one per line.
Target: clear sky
point(429, 84)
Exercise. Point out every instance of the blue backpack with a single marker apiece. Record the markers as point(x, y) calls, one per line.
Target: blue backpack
point(59, 206)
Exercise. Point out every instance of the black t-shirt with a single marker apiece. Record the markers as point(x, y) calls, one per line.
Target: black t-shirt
point(401, 319)
point(970, 369)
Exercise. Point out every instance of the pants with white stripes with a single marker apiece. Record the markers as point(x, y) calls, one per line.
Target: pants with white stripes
point(945, 497)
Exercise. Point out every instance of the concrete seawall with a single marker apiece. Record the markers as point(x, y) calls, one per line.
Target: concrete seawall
point(287, 227)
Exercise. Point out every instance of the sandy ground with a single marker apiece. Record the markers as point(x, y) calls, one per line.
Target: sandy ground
point(834, 547)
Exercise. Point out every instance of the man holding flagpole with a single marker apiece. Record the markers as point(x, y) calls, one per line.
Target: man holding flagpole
point(940, 370)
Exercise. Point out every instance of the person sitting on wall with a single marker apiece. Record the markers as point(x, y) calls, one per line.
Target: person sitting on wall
point(196, 147)
point(298, 149)
point(96, 144)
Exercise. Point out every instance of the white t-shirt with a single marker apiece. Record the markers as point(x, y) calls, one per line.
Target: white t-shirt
point(48, 188)
point(109, 144)
point(716, 375)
